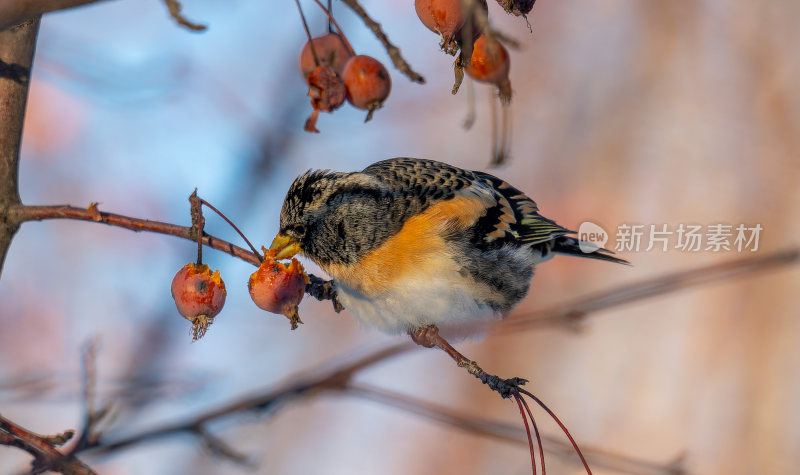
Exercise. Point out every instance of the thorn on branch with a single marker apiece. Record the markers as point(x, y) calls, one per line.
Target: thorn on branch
point(175, 12)
point(59, 439)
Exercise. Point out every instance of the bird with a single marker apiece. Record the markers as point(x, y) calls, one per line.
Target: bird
point(416, 243)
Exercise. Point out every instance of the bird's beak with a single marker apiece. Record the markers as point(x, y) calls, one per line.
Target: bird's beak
point(284, 246)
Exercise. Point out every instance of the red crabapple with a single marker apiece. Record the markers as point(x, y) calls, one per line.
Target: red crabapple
point(444, 17)
point(331, 51)
point(199, 296)
point(278, 288)
point(367, 82)
point(490, 63)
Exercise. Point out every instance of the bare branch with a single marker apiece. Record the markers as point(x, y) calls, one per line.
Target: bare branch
point(319, 288)
point(573, 312)
point(17, 46)
point(18, 11)
point(335, 378)
point(45, 456)
point(505, 431)
point(175, 12)
point(392, 50)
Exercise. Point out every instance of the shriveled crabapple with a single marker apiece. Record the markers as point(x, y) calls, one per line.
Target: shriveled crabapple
point(327, 92)
point(444, 17)
point(278, 288)
point(367, 82)
point(199, 295)
point(490, 63)
point(331, 51)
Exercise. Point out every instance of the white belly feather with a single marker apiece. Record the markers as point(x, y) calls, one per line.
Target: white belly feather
point(435, 295)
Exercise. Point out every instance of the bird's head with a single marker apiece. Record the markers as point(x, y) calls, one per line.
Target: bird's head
point(329, 216)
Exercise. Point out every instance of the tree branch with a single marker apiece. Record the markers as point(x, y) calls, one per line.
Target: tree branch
point(334, 379)
point(319, 288)
point(505, 431)
point(572, 313)
point(16, 12)
point(17, 46)
point(45, 456)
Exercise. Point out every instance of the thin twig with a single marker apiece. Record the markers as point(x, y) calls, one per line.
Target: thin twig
point(235, 228)
point(331, 19)
point(198, 223)
point(45, 456)
point(518, 398)
point(335, 378)
point(561, 425)
point(319, 288)
point(308, 33)
point(536, 431)
point(392, 50)
point(175, 12)
point(504, 431)
point(573, 312)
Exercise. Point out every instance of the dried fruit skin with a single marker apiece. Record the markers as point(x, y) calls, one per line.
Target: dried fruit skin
point(441, 16)
point(489, 62)
point(199, 295)
point(327, 92)
point(331, 52)
point(278, 288)
point(368, 83)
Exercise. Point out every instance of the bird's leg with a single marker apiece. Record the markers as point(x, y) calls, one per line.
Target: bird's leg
point(429, 337)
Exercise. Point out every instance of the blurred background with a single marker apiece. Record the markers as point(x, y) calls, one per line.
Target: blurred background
point(624, 112)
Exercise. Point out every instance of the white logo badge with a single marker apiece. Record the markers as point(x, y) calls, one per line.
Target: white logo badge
point(592, 237)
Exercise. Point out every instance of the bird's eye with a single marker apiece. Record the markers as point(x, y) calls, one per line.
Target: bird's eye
point(299, 229)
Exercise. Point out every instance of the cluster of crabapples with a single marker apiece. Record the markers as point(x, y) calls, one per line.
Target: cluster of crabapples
point(463, 28)
point(275, 287)
point(334, 73)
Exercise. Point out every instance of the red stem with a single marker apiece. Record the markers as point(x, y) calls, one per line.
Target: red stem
point(212, 208)
point(518, 398)
point(538, 437)
point(560, 424)
point(341, 33)
point(308, 33)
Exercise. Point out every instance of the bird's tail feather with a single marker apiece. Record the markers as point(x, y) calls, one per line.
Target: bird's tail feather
point(574, 247)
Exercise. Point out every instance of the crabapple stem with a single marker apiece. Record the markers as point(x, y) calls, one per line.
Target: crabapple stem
point(308, 34)
point(333, 20)
point(330, 10)
point(198, 223)
point(212, 208)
